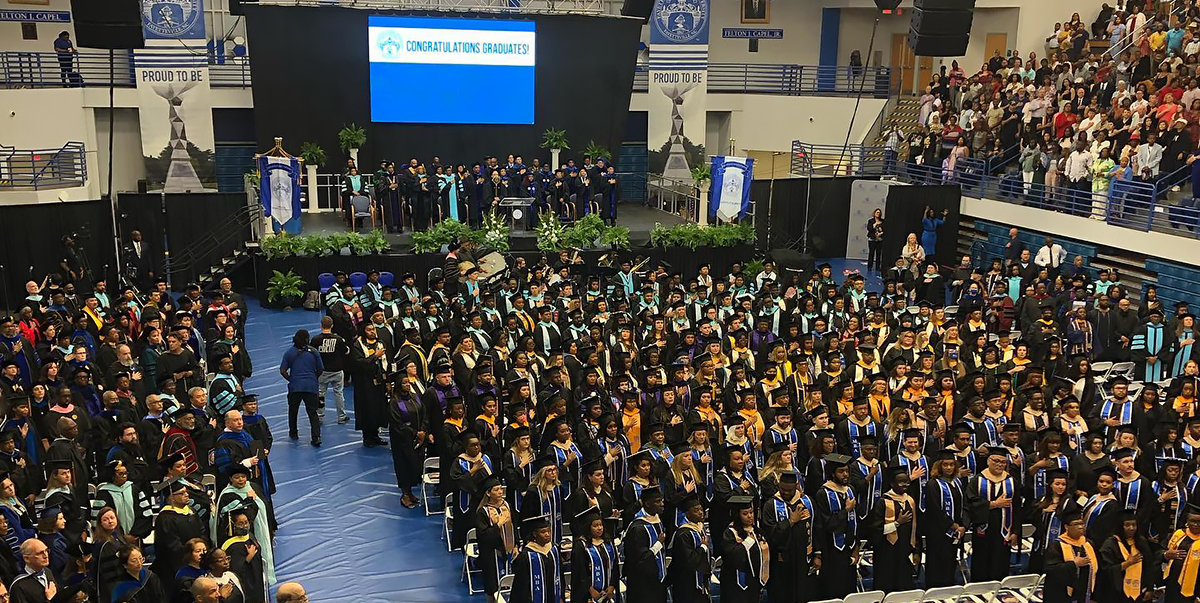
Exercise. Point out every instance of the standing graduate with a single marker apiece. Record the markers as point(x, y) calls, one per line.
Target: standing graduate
point(595, 568)
point(1046, 516)
point(495, 525)
point(691, 560)
point(1148, 348)
point(944, 522)
point(993, 501)
point(1182, 558)
point(1102, 511)
point(1071, 564)
point(175, 525)
point(894, 528)
point(730, 481)
point(467, 475)
point(1129, 566)
point(746, 565)
point(787, 524)
point(836, 530)
point(537, 569)
point(645, 561)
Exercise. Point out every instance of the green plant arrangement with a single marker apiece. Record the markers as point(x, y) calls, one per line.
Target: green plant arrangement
point(251, 178)
point(693, 235)
point(315, 246)
point(286, 287)
point(584, 232)
point(494, 231)
point(751, 269)
point(616, 237)
point(279, 246)
point(701, 174)
point(554, 139)
point(351, 137)
point(370, 243)
point(550, 233)
point(441, 234)
point(313, 154)
point(596, 151)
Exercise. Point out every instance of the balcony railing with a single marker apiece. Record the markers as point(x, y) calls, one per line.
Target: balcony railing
point(39, 169)
point(1128, 204)
point(52, 70)
point(789, 80)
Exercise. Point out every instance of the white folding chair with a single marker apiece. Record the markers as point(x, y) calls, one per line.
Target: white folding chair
point(1124, 369)
point(871, 596)
point(943, 594)
point(430, 477)
point(905, 596)
point(979, 592)
point(470, 566)
point(506, 583)
point(1018, 587)
point(448, 523)
point(1100, 369)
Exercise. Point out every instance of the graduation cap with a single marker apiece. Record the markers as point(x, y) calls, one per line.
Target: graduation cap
point(1119, 380)
point(1122, 453)
point(592, 465)
point(649, 494)
point(892, 471)
point(690, 501)
point(815, 412)
point(50, 513)
point(7, 434)
point(546, 460)
point(1071, 513)
point(911, 432)
point(1108, 470)
point(535, 523)
point(944, 454)
point(488, 483)
point(176, 485)
point(237, 469)
point(680, 447)
point(1170, 460)
point(55, 465)
point(837, 460)
point(1012, 427)
point(777, 447)
point(990, 451)
point(738, 503)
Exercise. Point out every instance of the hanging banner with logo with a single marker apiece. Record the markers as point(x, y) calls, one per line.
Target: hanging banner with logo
point(175, 112)
point(279, 184)
point(731, 178)
point(173, 19)
point(678, 86)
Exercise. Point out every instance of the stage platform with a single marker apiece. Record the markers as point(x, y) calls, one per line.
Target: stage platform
point(639, 219)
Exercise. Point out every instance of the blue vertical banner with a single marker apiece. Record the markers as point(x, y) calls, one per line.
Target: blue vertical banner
point(279, 189)
point(678, 107)
point(730, 190)
point(173, 19)
point(831, 25)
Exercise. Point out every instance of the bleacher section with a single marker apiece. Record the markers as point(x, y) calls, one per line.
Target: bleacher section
point(997, 237)
point(1175, 283)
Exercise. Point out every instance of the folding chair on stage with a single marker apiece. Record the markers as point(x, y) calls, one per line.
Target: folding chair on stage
point(979, 592)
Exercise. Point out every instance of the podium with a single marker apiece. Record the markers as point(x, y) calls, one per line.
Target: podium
point(519, 211)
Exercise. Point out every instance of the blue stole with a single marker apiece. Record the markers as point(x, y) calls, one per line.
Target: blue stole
point(1092, 510)
point(686, 531)
point(946, 488)
point(968, 460)
point(619, 473)
point(1053, 529)
point(836, 506)
point(874, 486)
point(857, 431)
point(993, 433)
point(1007, 490)
point(1183, 354)
point(912, 466)
point(1126, 414)
point(1076, 439)
point(552, 506)
point(1130, 493)
point(537, 583)
point(560, 458)
point(706, 472)
point(653, 530)
point(1192, 480)
point(464, 498)
point(600, 561)
point(663, 455)
point(1181, 502)
point(1039, 479)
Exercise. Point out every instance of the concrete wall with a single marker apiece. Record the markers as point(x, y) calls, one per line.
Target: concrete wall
point(10, 31)
point(800, 20)
point(128, 166)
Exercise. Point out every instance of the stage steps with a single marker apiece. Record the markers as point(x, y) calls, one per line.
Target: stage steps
point(209, 279)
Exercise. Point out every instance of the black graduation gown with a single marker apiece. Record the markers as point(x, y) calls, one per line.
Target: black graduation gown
point(837, 570)
point(249, 571)
point(537, 577)
point(725, 486)
point(1062, 575)
point(465, 487)
point(405, 419)
point(936, 524)
point(370, 395)
point(1110, 581)
point(991, 554)
point(171, 531)
point(593, 565)
point(690, 573)
point(646, 580)
point(28, 589)
point(791, 550)
point(893, 560)
point(493, 558)
point(741, 568)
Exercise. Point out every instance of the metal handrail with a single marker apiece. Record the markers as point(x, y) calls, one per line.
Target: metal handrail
point(199, 249)
point(84, 69)
point(1127, 41)
point(789, 79)
point(66, 165)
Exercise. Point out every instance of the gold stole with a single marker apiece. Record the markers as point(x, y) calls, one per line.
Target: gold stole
point(1132, 582)
point(1068, 553)
point(891, 508)
point(1191, 563)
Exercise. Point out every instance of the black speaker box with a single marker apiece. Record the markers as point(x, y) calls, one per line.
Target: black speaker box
point(790, 259)
point(944, 4)
point(638, 8)
point(930, 22)
point(235, 6)
point(954, 45)
point(115, 24)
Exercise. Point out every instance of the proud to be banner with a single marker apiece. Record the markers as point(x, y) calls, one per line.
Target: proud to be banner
point(677, 107)
point(176, 124)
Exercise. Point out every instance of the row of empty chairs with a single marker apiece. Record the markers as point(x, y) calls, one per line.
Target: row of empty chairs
point(1022, 588)
point(325, 280)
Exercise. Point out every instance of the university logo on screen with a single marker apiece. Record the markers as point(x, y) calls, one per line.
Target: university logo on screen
point(681, 21)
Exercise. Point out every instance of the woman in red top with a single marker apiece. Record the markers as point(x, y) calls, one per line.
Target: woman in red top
point(1065, 119)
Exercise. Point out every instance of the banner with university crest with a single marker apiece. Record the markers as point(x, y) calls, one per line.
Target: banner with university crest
point(731, 178)
point(678, 86)
point(279, 185)
point(173, 19)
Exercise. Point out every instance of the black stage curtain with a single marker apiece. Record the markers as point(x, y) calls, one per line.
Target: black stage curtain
point(32, 244)
point(829, 227)
point(144, 213)
point(584, 81)
point(199, 223)
point(905, 210)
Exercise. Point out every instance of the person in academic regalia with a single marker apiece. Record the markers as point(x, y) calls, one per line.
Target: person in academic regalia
point(731, 480)
point(537, 568)
point(1148, 348)
point(787, 524)
point(1046, 516)
point(836, 530)
point(1072, 564)
point(495, 528)
point(369, 366)
point(408, 432)
point(243, 495)
point(944, 522)
point(542, 498)
point(1171, 500)
point(1134, 492)
point(1102, 512)
point(37, 584)
point(1129, 566)
point(893, 525)
point(645, 544)
point(691, 559)
point(175, 525)
point(467, 474)
point(595, 568)
point(1181, 557)
point(993, 501)
point(746, 565)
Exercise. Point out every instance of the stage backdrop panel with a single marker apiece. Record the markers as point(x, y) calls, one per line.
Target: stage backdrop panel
point(307, 92)
point(865, 197)
point(33, 250)
point(789, 218)
point(905, 208)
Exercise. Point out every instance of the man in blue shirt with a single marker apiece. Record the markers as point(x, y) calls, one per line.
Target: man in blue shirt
point(302, 368)
point(65, 51)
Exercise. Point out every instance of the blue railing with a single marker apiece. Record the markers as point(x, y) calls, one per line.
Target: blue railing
point(1128, 204)
point(789, 80)
point(37, 169)
point(51, 70)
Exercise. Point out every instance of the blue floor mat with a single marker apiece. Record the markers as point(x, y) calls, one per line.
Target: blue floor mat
point(343, 533)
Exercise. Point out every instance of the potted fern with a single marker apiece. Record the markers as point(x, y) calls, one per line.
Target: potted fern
point(596, 151)
point(313, 156)
point(287, 289)
point(556, 141)
point(351, 138)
